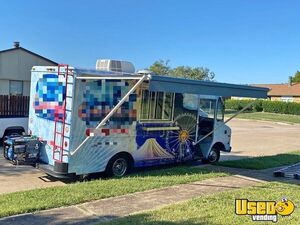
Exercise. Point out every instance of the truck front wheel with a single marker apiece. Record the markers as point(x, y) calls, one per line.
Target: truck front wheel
point(213, 156)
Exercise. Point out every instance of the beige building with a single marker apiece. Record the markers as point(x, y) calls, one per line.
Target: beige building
point(289, 92)
point(15, 69)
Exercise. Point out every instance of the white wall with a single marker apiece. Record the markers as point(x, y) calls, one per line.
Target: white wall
point(4, 87)
point(26, 88)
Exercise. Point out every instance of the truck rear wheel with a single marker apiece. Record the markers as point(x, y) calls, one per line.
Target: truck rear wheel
point(118, 166)
point(213, 156)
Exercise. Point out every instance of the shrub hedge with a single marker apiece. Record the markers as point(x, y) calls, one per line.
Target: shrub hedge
point(264, 106)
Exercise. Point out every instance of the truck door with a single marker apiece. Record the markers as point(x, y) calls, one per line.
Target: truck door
point(206, 123)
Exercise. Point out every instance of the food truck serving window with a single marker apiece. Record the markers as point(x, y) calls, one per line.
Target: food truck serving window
point(157, 105)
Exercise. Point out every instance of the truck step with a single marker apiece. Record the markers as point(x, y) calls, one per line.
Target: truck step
point(49, 169)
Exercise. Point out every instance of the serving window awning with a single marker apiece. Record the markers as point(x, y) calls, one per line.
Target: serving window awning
point(180, 85)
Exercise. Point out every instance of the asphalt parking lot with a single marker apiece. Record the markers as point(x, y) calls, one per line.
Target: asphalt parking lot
point(23, 177)
point(258, 138)
point(249, 138)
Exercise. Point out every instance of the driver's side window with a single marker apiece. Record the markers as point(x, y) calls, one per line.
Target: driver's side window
point(220, 110)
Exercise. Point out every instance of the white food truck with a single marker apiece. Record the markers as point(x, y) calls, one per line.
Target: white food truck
point(95, 120)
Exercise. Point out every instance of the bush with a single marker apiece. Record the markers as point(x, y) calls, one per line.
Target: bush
point(264, 105)
point(257, 106)
point(281, 107)
point(240, 104)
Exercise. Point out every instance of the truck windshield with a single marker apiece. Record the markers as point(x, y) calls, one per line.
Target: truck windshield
point(207, 108)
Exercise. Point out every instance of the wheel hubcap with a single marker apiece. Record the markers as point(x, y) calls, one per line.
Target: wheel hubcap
point(212, 157)
point(119, 167)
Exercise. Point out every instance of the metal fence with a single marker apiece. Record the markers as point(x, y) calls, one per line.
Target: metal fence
point(14, 106)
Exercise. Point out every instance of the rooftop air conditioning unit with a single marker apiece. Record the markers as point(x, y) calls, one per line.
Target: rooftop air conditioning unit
point(115, 65)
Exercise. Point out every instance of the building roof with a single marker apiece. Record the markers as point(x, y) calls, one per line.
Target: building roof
point(282, 89)
point(30, 52)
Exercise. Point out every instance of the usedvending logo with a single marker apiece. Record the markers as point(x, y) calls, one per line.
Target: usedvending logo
point(264, 210)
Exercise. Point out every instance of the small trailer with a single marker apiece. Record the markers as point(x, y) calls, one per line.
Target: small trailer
point(93, 121)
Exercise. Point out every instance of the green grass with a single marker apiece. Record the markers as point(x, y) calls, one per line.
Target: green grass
point(263, 162)
point(275, 117)
point(217, 209)
point(39, 199)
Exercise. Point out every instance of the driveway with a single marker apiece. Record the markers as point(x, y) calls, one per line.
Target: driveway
point(22, 177)
point(259, 138)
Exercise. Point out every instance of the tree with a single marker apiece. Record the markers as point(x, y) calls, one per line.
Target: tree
point(197, 73)
point(296, 77)
point(162, 67)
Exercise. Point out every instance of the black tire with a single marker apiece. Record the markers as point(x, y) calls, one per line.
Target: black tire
point(213, 156)
point(118, 166)
point(83, 177)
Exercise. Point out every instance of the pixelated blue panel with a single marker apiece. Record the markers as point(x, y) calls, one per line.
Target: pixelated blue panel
point(101, 96)
point(49, 97)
